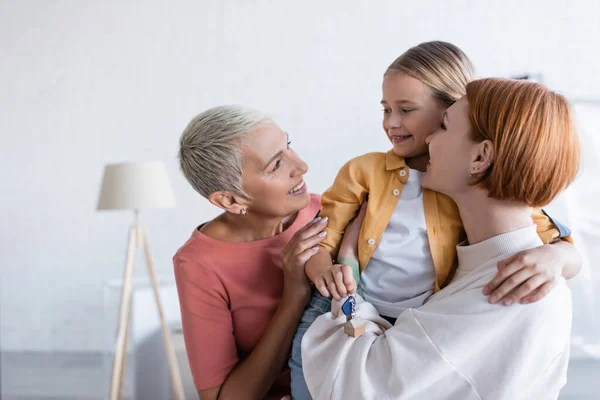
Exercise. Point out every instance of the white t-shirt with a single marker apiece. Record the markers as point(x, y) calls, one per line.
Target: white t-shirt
point(456, 346)
point(401, 274)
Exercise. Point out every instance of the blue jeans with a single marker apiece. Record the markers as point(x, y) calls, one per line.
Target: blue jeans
point(318, 305)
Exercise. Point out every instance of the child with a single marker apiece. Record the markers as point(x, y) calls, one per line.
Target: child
point(407, 242)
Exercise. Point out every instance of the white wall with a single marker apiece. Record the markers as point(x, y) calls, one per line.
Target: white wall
point(84, 83)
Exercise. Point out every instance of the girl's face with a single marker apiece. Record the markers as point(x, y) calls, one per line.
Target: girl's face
point(410, 115)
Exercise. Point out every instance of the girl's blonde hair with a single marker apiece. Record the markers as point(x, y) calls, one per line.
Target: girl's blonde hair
point(442, 66)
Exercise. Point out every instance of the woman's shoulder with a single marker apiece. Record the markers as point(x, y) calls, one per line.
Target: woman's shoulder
point(201, 249)
point(192, 252)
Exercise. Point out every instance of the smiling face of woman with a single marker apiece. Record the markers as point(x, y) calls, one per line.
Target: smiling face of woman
point(273, 176)
point(516, 140)
point(451, 152)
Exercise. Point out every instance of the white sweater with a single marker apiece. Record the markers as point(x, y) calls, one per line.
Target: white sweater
point(456, 346)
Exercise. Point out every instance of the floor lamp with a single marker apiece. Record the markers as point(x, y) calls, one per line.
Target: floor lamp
point(136, 186)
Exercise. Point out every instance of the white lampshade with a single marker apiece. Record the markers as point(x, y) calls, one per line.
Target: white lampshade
point(133, 186)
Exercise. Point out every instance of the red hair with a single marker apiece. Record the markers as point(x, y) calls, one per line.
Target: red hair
point(535, 143)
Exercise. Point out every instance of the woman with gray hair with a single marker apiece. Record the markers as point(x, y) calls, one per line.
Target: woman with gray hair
point(240, 277)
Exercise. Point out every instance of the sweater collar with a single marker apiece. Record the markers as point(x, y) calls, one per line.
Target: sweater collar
point(472, 256)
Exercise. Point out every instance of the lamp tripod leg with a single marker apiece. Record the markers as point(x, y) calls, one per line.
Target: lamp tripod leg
point(177, 384)
point(118, 369)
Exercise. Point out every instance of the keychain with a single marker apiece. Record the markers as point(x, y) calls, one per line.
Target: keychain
point(354, 326)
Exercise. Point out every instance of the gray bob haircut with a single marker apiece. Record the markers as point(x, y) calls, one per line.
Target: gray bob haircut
point(210, 154)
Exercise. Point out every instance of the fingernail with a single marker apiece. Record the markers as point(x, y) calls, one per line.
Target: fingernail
point(507, 302)
point(316, 219)
point(485, 291)
point(316, 248)
point(492, 300)
point(322, 234)
point(324, 220)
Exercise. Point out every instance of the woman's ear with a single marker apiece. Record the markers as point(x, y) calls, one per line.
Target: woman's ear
point(228, 201)
point(483, 158)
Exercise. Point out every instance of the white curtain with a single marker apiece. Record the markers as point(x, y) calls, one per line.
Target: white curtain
point(578, 207)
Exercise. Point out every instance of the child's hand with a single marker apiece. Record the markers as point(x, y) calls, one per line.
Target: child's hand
point(338, 282)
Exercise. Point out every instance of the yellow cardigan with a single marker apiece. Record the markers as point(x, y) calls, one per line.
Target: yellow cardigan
point(382, 177)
